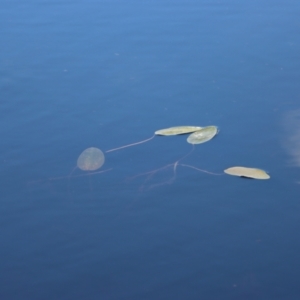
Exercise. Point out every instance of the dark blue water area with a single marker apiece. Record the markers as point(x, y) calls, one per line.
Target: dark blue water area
point(79, 74)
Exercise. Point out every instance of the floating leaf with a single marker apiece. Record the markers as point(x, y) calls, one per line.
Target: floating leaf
point(90, 159)
point(203, 135)
point(177, 130)
point(247, 172)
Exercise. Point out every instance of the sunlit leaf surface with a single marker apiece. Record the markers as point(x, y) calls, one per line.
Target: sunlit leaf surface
point(247, 172)
point(203, 135)
point(177, 130)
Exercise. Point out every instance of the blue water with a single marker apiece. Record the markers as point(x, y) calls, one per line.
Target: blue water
point(79, 74)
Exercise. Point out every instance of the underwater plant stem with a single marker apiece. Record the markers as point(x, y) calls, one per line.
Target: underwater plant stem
point(130, 145)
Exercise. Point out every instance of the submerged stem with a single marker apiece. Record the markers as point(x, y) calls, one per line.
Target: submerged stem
point(130, 145)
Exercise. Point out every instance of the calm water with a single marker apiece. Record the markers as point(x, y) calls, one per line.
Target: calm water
point(78, 74)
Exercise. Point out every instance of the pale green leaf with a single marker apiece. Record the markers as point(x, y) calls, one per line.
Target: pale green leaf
point(90, 159)
point(203, 135)
point(247, 172)
point(177, 130)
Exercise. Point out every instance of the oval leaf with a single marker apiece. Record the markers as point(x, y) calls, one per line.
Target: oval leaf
point(90, 159)
point(177, 130)
point(203, 135)
point(247, 172)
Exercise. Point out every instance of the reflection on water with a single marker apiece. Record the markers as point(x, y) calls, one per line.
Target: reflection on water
point(291, 141)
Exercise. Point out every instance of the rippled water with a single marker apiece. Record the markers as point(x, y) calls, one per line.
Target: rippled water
point(105, 74)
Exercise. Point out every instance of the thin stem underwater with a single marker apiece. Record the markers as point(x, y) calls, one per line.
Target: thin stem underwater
point(130, 145)
point(150, 174)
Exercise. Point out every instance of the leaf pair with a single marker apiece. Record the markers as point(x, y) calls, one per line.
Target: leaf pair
point(200, 134)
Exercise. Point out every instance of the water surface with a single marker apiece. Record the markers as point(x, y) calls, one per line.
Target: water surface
point(104, 74)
